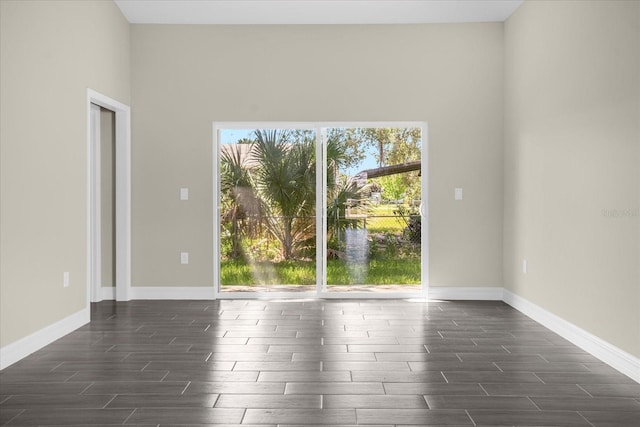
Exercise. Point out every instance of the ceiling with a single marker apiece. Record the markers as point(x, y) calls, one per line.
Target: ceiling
point(315, 11)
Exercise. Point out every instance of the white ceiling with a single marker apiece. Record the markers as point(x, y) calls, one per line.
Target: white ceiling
point(315, 11)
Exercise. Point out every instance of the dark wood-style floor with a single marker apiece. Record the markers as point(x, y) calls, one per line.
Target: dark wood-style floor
point(317, 362)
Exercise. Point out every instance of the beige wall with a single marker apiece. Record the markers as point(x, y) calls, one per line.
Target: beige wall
point(107, 196)
point(186, 77)
point(572, 146)
point(50, 53)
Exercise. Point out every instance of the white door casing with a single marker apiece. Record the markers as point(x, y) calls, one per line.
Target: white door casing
point(95, 173)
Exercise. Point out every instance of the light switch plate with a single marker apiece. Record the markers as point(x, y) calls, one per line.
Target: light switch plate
point(457, 194)
point(184, 257)
point(65, 279)
point(184, 194)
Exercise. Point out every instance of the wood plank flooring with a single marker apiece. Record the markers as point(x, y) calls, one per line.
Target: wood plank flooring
point(314, 363)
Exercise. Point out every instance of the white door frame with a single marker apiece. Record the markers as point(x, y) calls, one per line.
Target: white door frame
point(321, 259)
point(95, 267)
point(122, 198)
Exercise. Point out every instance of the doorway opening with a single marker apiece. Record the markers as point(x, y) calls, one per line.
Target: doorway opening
point(103, 203)
point(108, 199)
point(312, 209)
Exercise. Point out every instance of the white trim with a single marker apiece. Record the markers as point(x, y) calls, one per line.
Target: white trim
point(228, 295)
point(321, 210)
point(123, 195)
point(325, 294)
point(172, 292)
point(608, 353)
point(108, 293)
point(315, 125)
point(12, 353)
point(424, 208)
point(493, 293)
point(215, 160)
point(371, 295)
point(123, 204)
point(95, 225)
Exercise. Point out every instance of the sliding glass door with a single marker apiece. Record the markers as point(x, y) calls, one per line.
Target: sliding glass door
point(374, 197)
point(318, 210)
point(267, 210)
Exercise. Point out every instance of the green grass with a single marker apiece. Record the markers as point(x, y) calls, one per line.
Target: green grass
point(239, 272)
point(384, 225)
point(402, 271)
point(382, 220)
point(384, 209)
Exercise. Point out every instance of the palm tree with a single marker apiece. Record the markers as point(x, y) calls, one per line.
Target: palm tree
point(339, 191)
point(237, 193)
point(285, 180)
point(273, 183)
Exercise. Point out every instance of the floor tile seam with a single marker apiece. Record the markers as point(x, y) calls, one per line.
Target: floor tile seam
point(109, 402)
point(534, 403)
point(470, 417)
point(185, 388)
point(84, 390)
point(130, 415)
point(113, 346)
point(538, 377)
point(585, 390)
point(126, 356)
point(244, 413)
point(56, 367)
point(22, 411)
point(424, 397)
point(585, 418)
point(483, 389)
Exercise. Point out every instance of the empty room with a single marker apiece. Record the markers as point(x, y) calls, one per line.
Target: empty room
point(316, 212)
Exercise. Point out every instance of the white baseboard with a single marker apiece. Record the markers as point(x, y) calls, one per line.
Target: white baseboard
point(609, 354)
point(172, 292)
point(465, 293)
point(11, 353)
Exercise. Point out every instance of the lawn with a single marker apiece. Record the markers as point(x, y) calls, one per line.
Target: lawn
point(240, 272)
point(393, 271)
point(381, 219)
point(402, 271)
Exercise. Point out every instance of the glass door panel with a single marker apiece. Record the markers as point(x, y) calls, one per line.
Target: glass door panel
point(373, 209)
point(267, 210)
